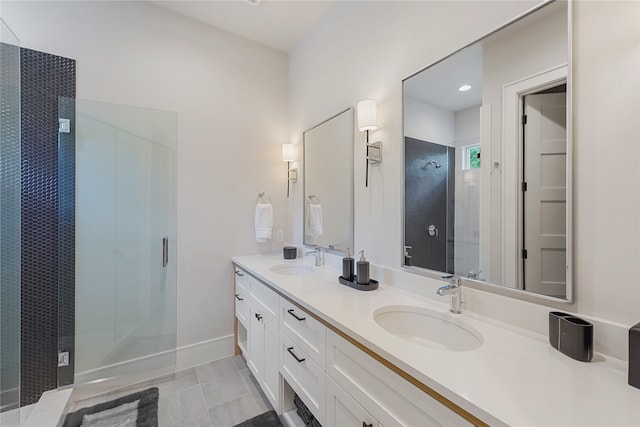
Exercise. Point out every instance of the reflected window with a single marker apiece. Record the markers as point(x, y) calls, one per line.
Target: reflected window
point(471, 157)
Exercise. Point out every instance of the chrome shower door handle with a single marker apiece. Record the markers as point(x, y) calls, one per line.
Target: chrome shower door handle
point(165, 251)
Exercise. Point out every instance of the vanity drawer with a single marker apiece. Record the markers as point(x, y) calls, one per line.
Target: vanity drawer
point(304, 376)
point(388, 397)
point(264, 300)
point(241, 296)
point(307, 333)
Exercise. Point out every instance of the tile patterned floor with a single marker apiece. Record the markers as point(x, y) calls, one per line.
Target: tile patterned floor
point(217, 394)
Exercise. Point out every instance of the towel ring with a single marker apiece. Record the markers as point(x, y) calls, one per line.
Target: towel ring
point(261, 198)
point(313, 196)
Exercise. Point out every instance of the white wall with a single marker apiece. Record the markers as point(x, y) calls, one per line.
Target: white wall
point(231, 98)
point(344, 60)
point(428, 122)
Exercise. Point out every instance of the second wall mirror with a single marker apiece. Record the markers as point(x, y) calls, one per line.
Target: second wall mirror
point(487, 159)
point(328, 183)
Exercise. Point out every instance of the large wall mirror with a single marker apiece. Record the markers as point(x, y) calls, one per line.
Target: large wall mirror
point(487, 159)
point(328, 183)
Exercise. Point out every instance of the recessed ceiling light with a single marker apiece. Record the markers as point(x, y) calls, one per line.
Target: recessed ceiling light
point(464, 88)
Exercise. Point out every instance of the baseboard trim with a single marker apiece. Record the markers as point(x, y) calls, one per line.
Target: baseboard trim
point(205, 351)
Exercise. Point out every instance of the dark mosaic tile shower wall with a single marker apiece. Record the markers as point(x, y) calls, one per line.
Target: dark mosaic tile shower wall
point(47, 238)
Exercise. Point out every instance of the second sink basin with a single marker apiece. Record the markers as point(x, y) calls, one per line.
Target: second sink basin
point(428, 328)
point(292, 269)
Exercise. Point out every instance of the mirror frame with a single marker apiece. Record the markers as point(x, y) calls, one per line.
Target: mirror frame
point(493, 287)
point(334, 251)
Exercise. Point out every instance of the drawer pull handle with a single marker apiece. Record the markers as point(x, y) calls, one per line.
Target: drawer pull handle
point(300, 319)
point(239, 274)
point(290, 350)
point(258, 316)
point(364, 424)
point(238, 297)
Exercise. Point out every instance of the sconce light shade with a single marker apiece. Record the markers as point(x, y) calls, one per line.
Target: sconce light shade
point(288, 152)
point(367, 115)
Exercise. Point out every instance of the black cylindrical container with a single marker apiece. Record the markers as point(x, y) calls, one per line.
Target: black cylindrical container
point(554, 327)
point(634, 356)
point(290, 252)
point(363, 273)
point(347, 268)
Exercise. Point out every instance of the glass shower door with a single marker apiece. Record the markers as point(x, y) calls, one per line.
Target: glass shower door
point(9, 227)
point(125, 240)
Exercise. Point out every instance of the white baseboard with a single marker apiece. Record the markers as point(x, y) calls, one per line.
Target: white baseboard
point(204, 351)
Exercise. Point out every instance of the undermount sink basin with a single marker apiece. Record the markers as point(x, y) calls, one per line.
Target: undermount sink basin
point(292, 269)
point(428, 328)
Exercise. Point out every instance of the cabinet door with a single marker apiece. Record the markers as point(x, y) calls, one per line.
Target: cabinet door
point(255, 359)
point(343, 411)
point(271, 383)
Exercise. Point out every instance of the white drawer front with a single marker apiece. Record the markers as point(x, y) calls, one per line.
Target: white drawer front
point(387, 396)
point(306, 332)
point(305, 377)
point(265, 301)
point(242, 302)
point(343, 411)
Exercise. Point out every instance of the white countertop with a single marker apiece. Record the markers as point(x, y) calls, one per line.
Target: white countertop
point(514, 378)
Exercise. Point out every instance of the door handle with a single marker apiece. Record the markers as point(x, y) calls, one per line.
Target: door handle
point(165, 251)
point(290, 350)
point(300, 319)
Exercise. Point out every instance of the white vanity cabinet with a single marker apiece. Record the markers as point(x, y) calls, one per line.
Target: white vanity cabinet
point(262, 352)
point(290, 351)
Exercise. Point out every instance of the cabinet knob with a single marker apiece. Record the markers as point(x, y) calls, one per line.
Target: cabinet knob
point(258, 316)
point(238, 297)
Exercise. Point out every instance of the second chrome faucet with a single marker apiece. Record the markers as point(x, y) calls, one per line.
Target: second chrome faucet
point(454, 288)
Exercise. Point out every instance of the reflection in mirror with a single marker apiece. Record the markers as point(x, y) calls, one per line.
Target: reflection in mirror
point(487, 159)
point(328, 183)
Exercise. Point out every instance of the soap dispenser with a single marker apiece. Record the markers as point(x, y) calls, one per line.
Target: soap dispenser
point(363, 270)
point(347, 267)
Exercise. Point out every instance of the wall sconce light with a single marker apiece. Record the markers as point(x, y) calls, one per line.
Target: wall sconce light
point(367, 111)
point(289, 155)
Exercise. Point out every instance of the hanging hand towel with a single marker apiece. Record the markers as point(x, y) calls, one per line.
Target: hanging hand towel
point(314, 217)
point(264, 222)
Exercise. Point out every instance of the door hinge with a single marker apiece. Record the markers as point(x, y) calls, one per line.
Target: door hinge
point(524, 119)
point(524, 254)
point(523, 187)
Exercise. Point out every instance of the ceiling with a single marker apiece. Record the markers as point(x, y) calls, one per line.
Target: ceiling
point(438, 84)
point(279, 24)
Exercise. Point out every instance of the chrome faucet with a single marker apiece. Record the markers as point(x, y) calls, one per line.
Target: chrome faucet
point(318, 254)
point(454, 288)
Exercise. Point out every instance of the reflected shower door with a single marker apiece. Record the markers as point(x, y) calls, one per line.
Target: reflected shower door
point(125, 240)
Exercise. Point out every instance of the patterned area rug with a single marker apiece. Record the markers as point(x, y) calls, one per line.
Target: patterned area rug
point(134, 410)
point(268, 419)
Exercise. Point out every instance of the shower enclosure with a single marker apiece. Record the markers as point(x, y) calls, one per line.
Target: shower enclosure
point(9, 227)
point(125, 233)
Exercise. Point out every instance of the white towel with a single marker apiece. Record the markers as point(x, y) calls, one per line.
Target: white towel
point(314, 220)
point(264, 222)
